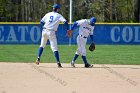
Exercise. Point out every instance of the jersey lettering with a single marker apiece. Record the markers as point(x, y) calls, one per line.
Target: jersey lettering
point(87, 28)
point(51, 19)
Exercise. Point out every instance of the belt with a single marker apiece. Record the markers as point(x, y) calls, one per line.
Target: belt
point(48, 29)
point(44, 27)
point(83, 36)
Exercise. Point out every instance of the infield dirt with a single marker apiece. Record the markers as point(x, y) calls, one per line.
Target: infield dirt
point(47, 78)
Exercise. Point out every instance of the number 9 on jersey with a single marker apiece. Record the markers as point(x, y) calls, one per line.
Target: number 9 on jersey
point(51, 19)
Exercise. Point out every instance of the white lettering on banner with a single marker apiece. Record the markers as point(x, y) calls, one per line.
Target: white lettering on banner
point(113, 35)
point(1, 37)
point(128, 34)
point(11, 36)
point(20, 34)
point(137, 31)
point(23, 30)
point(33, 29)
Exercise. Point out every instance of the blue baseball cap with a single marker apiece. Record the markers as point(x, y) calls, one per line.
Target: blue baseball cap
point(92, 21)
point(56, 6)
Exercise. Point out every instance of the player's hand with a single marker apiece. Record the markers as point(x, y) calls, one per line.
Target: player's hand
point(92, 46)
point(69, 33)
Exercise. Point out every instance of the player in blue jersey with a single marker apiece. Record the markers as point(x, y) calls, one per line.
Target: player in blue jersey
point(50, 23)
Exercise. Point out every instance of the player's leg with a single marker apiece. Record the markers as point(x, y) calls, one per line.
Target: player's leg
point(53, 43)
point(42, 45)
point(74, 59)
point(87, 65)
point(76, 53)
point(82, 48)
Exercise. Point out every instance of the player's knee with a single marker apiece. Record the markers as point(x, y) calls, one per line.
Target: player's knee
point(54, 49)
point(42, 46)
point(82, 53)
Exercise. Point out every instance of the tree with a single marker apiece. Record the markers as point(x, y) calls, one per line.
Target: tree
point(103, 10)
point(137, 10)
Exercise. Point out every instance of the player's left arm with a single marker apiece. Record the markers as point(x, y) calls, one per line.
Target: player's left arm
point(92, 45)
point(91, 35)
point(75, 24)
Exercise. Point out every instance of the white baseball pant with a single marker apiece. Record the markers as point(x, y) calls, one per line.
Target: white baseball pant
point(46, 34)
point(81, 42)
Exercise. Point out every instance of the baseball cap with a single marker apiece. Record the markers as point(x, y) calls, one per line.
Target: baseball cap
point(92, 21)
point(56, 6)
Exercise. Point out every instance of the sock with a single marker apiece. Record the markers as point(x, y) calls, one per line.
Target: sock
point(40, 50)
point(84, 59)
point(56, 54)
point(75, 57)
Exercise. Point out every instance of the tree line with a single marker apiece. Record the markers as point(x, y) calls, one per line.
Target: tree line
point(103, 10)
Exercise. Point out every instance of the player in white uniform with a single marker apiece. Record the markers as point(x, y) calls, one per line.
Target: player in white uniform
point(50, 23)
point(86, 27)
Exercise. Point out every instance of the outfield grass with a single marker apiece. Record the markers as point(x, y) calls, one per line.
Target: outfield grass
point(104, 54)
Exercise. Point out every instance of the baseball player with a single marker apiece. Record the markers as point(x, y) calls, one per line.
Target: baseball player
point(50, 23)
point(86, 27)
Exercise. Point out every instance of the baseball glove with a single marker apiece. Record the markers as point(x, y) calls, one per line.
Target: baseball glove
point(92, 47)
point(69, 33)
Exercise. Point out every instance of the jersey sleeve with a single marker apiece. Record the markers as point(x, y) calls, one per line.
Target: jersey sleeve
point(80, 22)
point(62, 19)
point(44, 18)
point(74, 25)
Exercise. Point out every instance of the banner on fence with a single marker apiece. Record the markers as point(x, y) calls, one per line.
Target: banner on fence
point(103, 34)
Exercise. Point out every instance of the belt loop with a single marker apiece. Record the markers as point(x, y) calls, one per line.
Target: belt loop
point(44, 27)
point(83, 36)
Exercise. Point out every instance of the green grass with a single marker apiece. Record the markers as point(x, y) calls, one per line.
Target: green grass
point(104, 54)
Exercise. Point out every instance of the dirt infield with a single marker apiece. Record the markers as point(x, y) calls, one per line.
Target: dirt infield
point(47, 78)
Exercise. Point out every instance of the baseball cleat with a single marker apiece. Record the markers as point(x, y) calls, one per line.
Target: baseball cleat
point(37, 61)
point(88, 66)
point(72, 64)
point(59, 65)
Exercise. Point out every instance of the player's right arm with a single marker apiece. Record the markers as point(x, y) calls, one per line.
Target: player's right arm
point(66, 25)
point(75, 24)
point(70, 31)
point(62, 19)
point(42, 22)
